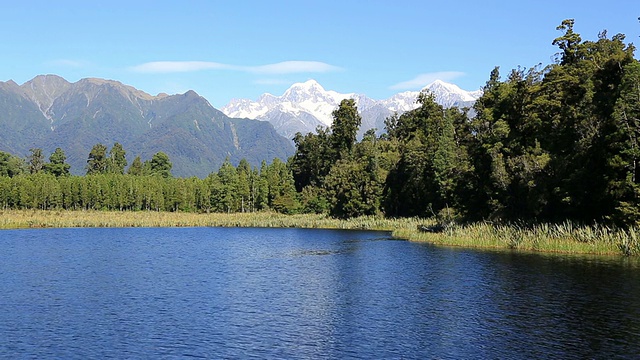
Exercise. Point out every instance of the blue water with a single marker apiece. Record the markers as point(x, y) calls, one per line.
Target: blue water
point(304, 294)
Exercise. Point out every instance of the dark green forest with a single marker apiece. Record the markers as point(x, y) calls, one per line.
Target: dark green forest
point(548, 143)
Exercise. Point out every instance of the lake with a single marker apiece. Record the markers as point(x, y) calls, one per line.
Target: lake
point(304, 294)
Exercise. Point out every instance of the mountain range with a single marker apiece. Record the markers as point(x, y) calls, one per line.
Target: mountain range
point(305, 106)
point(48, 112)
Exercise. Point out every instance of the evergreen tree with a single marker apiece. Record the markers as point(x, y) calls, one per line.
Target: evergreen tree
point(97, 162)
point(57, 165)
point(10, 165)
point(313, 158)
point(160, 165)
point(117, 159)
point(346, 122)
point(136, 168)
point(35, 160)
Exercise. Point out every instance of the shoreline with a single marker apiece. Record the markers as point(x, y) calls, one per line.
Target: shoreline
point(549, 239)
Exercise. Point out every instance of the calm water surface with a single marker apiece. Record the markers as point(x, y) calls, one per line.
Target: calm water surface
point(309, 294)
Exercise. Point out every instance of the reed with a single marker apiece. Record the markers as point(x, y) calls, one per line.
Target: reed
point(12, 219)
point(566, 237)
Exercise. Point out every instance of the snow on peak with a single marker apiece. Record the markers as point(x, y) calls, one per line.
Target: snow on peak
point(310, 100)
point(449, 95)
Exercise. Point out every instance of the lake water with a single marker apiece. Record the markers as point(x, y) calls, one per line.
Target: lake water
point(304, 294)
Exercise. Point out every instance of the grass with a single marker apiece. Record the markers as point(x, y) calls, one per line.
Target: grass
point(548, 238)
point(15, 219)
point(564, 238)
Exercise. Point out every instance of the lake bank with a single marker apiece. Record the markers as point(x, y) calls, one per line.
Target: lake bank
point(561, 238)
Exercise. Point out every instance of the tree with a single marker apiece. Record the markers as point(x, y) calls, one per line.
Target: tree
point(354, 186)
point(57, 165)
point(227, 176)
point(11, 165)
point(432, 163)
point(508, 159)
point(346, 122)
point(35, 160)
point(117, 159)
point(160, 165)
point(313, 158)
point(136, 168)
point(282, 196)
point(97, 162)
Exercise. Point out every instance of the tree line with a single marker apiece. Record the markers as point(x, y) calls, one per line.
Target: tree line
point(552, 143)
point(231, 189)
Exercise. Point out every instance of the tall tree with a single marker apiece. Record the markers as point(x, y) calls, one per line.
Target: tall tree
point(97, 162)
point(57, 165)
point(35, 160)
point(117, 159)
point(161, 165)
point(346, 122)
point(11, 165)
point(432, 160)
point(313, 158)
point(136, 167)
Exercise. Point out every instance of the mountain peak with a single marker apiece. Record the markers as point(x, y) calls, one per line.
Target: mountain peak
point(443, 85)
point(448, 94)
point(306, 105)
point(309, 86)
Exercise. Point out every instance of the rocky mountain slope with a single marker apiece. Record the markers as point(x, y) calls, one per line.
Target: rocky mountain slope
point(48, 112)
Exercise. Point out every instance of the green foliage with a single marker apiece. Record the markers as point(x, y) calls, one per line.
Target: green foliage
point(35, 160)
point(57, 165)
point(346, 122)
point(313, 158)
point(230, 189)
point(117, 159)
point(10, 165)
point(97, 162)
point(160, 165)
point(433, 159)
point(136, 167)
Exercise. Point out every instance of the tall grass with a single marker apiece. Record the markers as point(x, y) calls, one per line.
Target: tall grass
point(565, 237)
point(12, 219)
point(552, 238)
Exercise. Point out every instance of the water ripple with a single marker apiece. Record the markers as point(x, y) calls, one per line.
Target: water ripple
point(309, 294)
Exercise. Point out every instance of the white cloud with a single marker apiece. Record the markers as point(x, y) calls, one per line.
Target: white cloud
point(285, 67)
point(178, 66)
point(423, 80)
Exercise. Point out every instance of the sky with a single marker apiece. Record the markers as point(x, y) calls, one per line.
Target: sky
point(242, 49)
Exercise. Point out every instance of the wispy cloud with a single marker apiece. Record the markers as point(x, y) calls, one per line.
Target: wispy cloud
point(285, 67)
point(423, 80)
point(179, 66)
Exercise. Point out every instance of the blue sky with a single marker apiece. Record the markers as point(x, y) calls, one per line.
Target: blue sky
point(241, 49)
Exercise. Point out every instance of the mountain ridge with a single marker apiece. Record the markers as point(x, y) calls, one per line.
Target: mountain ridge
point(48, 112)
point(304, 106)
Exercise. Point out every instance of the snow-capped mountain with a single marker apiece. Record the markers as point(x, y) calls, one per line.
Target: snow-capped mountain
point(305, 106)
